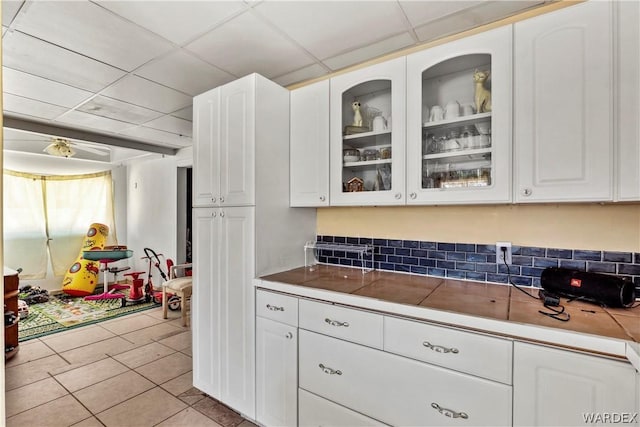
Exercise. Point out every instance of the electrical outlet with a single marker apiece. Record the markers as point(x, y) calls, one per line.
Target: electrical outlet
point(501, 257)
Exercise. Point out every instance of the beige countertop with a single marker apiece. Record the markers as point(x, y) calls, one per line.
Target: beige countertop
point(487, 307)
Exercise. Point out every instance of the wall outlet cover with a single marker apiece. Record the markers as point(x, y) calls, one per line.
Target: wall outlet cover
point(500, 256)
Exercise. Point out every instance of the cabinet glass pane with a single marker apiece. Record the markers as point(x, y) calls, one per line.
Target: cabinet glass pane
point(366, 141)
point(456, 123)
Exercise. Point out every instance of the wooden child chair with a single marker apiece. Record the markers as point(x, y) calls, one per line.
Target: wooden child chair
point(180, 286)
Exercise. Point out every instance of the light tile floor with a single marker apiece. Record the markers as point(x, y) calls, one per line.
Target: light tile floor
point(130, 371)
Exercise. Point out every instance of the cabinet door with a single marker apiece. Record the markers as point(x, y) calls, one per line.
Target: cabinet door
point(237, 142)
point(310, 145)
point(563, 105)
point(236, 311)
point(367, 155)
point(628, 101)
point(206, 148)
point(456, 154)
point(206, 302)
point(561, 388)
point(317, 412)
point(276, 373)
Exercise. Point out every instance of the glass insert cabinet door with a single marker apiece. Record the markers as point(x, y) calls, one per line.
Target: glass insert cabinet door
point(368, 135)
point(459, 121)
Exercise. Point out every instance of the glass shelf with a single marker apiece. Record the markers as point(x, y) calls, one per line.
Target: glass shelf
point(364, 250)
point(365, 163)
point(458, 121)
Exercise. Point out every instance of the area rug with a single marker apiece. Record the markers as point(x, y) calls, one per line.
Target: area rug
point(62, 313)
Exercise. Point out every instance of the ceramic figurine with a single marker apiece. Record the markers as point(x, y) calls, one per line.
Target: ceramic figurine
point(483, 95)
point(355, 184)
point(357, 116)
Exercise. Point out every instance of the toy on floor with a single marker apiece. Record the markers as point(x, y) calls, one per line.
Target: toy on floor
point(155, 260)
point(23, 309)
point(33, 294)
point(105, 256)
point(82, 277)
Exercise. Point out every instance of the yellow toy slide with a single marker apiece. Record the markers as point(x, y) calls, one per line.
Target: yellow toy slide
point(82, 277)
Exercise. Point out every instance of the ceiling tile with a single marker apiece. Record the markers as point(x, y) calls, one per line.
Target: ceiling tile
point(118, 110)
point(34, 56)
point(327, 28)
point(306, 73)
point(422, 11)
point(91, 121)
point(185, 113)
point(158, 137)
point(28, 86)
point(369, 52)
point(184, 72)
point(87, 28)
point(9, 10)
point(246, 44)
point(145, 93)
point(169, 18)
point(17, 104)
point(171, 124)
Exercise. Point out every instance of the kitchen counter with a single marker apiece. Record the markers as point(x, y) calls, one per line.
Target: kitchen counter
point(490, 308)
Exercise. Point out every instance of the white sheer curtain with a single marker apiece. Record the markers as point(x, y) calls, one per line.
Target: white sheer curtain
point(68, 206)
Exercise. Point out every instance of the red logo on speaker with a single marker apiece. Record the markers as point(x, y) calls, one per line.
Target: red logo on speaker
point(576, 283)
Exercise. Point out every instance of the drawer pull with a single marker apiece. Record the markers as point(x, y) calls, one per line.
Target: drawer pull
point(328, 370)
point(274, 308)
point(448, 412)
point(439, 348)
point(336, 323)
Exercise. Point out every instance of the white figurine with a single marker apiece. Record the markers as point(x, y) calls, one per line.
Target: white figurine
point(357, 117)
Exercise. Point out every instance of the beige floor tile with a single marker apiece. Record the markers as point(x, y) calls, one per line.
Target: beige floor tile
point(32, 395)
point(157, 314)
point(191, 396)
point(75, 338)
point(187, 351)
point(143, 355)
point(28, 351)
point(180, 384)
point(92, 373)
point(167, 368)
point(99, 350)
point(30, 372)
point(89, 422)
point(218, 412)
point(146, 409)
point(152, 333)
point(247, 423)
point(178, 323)
point(128, 324)
point(179, 342)
point(64, 411)
point(189, 417)
point(108, 393)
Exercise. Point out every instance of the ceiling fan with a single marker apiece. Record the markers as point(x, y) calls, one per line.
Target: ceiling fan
point(61, 147)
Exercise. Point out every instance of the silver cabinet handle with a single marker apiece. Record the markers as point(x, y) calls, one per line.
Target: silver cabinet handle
point(448, 412)
point(336, 323)
point(274, 308)
point(328, 370)
point(322, 198)
point(398, 196)
point(213, 214)
point(527, 192)
point(221, 199)
point(289, 335)
point(213, 199)
point(221, 214)
point(439, 348)
point(413, 195)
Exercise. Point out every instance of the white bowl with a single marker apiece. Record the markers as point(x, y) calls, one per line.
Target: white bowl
point(484, 128)
point(349, 159)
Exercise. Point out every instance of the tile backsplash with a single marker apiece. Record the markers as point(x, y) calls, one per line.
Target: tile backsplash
point(478, 261)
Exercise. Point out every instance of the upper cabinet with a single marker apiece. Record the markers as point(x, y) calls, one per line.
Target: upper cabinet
point(563, 100)
point(225, 154)
point(309, 150)
point(459, 121)
point(367, 135)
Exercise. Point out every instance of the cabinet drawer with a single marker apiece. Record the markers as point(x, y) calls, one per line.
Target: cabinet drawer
point(316, 411)
point(353, 325)
point(475, 354)
point(278, 307)
point(398, 390)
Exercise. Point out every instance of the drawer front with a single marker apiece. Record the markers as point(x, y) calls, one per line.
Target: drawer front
point(314, 411)
point(397, 390)
point(352, 325)
point(278, 307)
point(476, 354)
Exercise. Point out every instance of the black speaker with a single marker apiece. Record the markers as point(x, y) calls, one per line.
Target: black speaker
point(611, 291)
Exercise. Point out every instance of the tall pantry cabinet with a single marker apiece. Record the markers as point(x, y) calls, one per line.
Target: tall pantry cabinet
point(243, 228)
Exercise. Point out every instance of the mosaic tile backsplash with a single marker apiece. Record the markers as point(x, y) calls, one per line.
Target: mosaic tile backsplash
point(478, 261)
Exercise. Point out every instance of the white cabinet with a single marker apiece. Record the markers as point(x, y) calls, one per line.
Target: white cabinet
point(563, 105)
point(317, 412)
point(554, 387)
point(367, 140)
point(310, 145)
point(250, 229)
point(456, 154)
point(277, 373)
point(627, 122)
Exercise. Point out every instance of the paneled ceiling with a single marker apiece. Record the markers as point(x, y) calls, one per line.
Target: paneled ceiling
point(130, 68)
